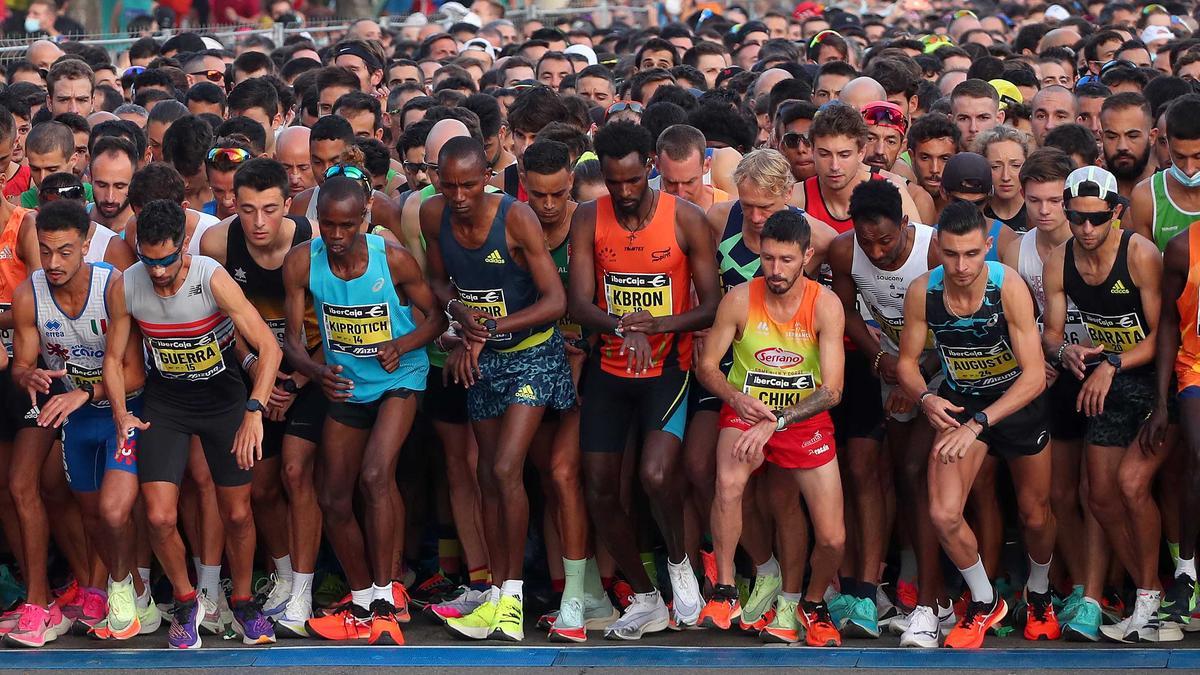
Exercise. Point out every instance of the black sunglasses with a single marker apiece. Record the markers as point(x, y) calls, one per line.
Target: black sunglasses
point(1096, 218)
point(793, 140)
point(64, 192)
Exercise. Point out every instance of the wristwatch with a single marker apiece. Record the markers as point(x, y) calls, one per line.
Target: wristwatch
point(981, 419)
point(253, 405)
point(289, 386)
point(1114, 360)
point(490, 325)
point(781, 422)
point(90, 389)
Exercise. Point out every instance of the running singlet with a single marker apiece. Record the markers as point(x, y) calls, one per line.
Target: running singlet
point(1169, 219)
point(264, 288)
point(814, 203)
point(882, 291)
point(562, 260)
point(12, 270)
point(356, 316)
point(736, 263)
point(98, 244)
point(75, 343)
point(488, 280)
point(976, 353)
point(1029, 266)
point(1187, 362)
point(188, 339)
point(1112, 311)
point(776, 362)
point(643, 270)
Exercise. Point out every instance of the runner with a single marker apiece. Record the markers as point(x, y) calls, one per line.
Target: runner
point(975, 108)
point(1128, 135)
point(638, 253)
point(189, 334)
point(682, 163)
point(983, 327)
point(887, 125)
point(932, 140)
point(291, 149)
point(114, 161)
point(1169, 202)
point(489, 266)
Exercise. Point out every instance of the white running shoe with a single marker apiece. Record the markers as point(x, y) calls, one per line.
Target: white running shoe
point(646, 614)
point(291, 623)
point(686, 600)
point(922, 629)
point(1141, 626)
point(213, 623)
point(277, 599)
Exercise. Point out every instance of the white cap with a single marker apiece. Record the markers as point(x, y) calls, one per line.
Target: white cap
point(1091, 181)
point(584, 51)
point(1155, 33)
point(456, 12)
point(212, 43)
point(480, 44)
point(414, 21)
point(1056, 12)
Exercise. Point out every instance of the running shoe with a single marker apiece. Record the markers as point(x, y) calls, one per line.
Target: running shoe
point(478, 624)
point(862, 621)
point(149, 614)
point(92, 608)
point(1040, 621)
point(597, 614)
point(277, 599)
point(708, 560)
point(623, 592)
point(722, 610)
point(922, 629)
point(1084, 624)
point(384, 628)
point(1143, 625)
point(839, 605)
point(329, 590)
point(211, 623)
point(400, 601)
point(906, 596)
point(647, 613)
point(758, 605)
point(10, 619)
point(1070, 605)
point(1178, 601)
point(885, 609)
point(819, 630)
point(686, 601)
point(568, 624)
point(121, 621)
point(783, 627)
point(510, 620)
point(976, 620)
point(250, 623)
point(38, 625)
point(461, 605)
point(186, 618)
point(291, 624)
point(1112, 605)
point(351, 623)
point(66, 595)
point(435, 589)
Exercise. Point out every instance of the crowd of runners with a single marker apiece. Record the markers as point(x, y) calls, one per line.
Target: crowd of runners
point(807, 324)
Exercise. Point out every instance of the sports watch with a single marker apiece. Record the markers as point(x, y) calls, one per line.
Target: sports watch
point(1114, 360)
point(981, 419)
point(254, 405)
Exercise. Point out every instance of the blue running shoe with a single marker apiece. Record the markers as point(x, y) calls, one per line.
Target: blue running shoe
point(862, 619)
point(185, 625)
point(1084, 624)
point(252, 625)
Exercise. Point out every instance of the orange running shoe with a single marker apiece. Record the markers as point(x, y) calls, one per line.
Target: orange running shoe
point(974, 625)
point(709, 561)
point(818, 625)
point(906, 596)
point(400, 601)
point(722, 610)
point(350, 623)
point(758, 626)
point(1041, 623)
point(384, 628)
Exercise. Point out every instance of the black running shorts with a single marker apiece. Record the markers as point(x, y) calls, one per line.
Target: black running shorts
point(1021, 434)
point(1066, 423)
point(363, 415)
point(1129, 402)
point(163, 448)
point(860, 412)
point(444, 402)
point(612, 403)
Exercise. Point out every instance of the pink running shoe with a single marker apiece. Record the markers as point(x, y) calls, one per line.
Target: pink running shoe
point(9, 620)
point(93, 608)
point(38, 625)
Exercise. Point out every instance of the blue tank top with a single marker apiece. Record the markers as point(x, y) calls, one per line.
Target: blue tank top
point(976, 350)
point(488, 280)
point(993, 254)
point(357, 315)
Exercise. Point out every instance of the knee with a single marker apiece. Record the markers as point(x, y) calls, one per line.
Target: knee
point(296, 477)
point(833, 541)
point(335, 503)
point(266, 492)
point(114, 512)
point(160, 518)
point(375, 482)
point(601, 498)
point(238, 515)
point(1133, 487)
point(565, 476)
point(1035, 513)
point(507, 474)
point(656, 480)
point(945, 518)
point(730, 489)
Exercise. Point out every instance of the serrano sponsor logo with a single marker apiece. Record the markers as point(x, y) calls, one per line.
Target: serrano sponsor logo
point(778, 357)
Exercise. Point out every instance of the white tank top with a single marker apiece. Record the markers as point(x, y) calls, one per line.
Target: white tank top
point(206, 221)
point(882, 291)
point(99, 244)
point(1029, 266)
point(74, 344)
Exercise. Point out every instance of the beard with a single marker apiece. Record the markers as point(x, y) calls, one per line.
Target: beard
point(1128, 172)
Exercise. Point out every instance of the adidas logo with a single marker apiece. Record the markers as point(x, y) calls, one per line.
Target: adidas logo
point(494, 257)
point(526, 393)
point(1119, 288)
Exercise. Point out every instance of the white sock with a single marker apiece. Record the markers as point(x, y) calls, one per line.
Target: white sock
point(301, 584)
point(977, 580)
point(209, 581)
point(793, 597)
point(144, 573)
point(362, 597)
point(283, 568)
point(493, 594)
point(513, 588)
point(1091, 600)
point(143, 600)
point(769, 568)
point(1039, 576)
point(381, 593)
point(1186, 566)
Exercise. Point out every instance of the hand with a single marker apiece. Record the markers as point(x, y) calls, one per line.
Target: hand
point(1051, 375)
point(56, 410)
point(280, 396)
point(635, 347)
point(336, 387)
point(389, 356)
point(470, 320)
point(1095, 388)
point(1075, 358)
point(887, 370)
point(749, 444)
point(127, 424)
point(898, 402)
point(1154, 432)
point(462, 365)
point(952, 445)
point(247, 442)
point(939, 410)
point(450, 339)
point(641, 321)
point(38, 380)
point(751, 409)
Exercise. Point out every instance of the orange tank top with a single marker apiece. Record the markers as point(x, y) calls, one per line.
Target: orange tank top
point(1187, 361)
point(643, 270)
point(12, 270)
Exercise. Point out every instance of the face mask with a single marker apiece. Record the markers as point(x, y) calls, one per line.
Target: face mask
point(32, 25)
point(1184, 179)
point(674, 6)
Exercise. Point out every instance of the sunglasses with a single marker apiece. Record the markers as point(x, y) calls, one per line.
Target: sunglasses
point(793, 140)
point(210, 75)
point(166, 261)
point(1096, 218)
point(963, 12)
point(64, 192)
point(1117, 63)
point(414, 167)
point(1153, 9)
point(234, 155)
point(884, 116)
point(353, 173)
point(133, 71)
point(621, 106)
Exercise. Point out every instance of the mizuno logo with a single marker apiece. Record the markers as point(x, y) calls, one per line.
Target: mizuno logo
point(1119, 288)
point(494, 257)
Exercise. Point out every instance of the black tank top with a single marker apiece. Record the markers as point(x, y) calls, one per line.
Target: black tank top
point(976, 350)
point(264, 288)
point(1112, 311)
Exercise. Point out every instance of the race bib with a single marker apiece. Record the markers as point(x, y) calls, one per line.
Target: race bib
point(80, 375)
point(893, 327)
point(6, 334)
point(779, 391)
point(1116, 334)
point(488, 301)
point(981, 367)
point(190, 358)
point(278, 328)
point(357, 330)
point(629, 292)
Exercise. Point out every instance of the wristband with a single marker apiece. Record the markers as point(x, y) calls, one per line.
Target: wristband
point(781, 422)
point(921, 398)
point(878, 357)
point(91, 392)
point(1062, 349)
point(248, 361)
point(449, 302)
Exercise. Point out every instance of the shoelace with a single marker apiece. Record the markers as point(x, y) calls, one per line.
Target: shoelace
point(974, 610)
point(1040, 609)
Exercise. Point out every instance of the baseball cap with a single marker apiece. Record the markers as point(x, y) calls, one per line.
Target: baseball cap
point(1057, 12)
point(969, 173)
point(584, 51)
point(1088, 181)
point(1155, 33)
point(482, 45)
point(1009, 94)
point(807, 9)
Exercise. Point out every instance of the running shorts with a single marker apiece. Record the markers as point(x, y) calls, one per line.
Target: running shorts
point(701, 399)
point(444, 402)
point(1129, 402)
point(612, 403)
point(1021, 434)
point(363, 415)
point(16, 411)
point(1066, 423)
point(803, 445)
point(304, 420)
point(860, 412)
point(91, 447)
point(168, 440)
point(537, 376)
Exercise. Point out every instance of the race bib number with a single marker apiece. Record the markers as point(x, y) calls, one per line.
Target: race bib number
point(357, 330)
point(1116, 334)
point(191, 358)
point(79, 376)
point(489, 301)
point(893, 327)
point(981, 367)
point(6, 334)
point(629, 292)
point(278, 328)
point(779, 391)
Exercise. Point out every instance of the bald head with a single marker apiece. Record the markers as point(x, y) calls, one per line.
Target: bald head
point(100, 116)
point(44, 53)
point(441, 132)
point(861, 91)
point(291, 150)
point(768, 80)
point(1059, 37)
